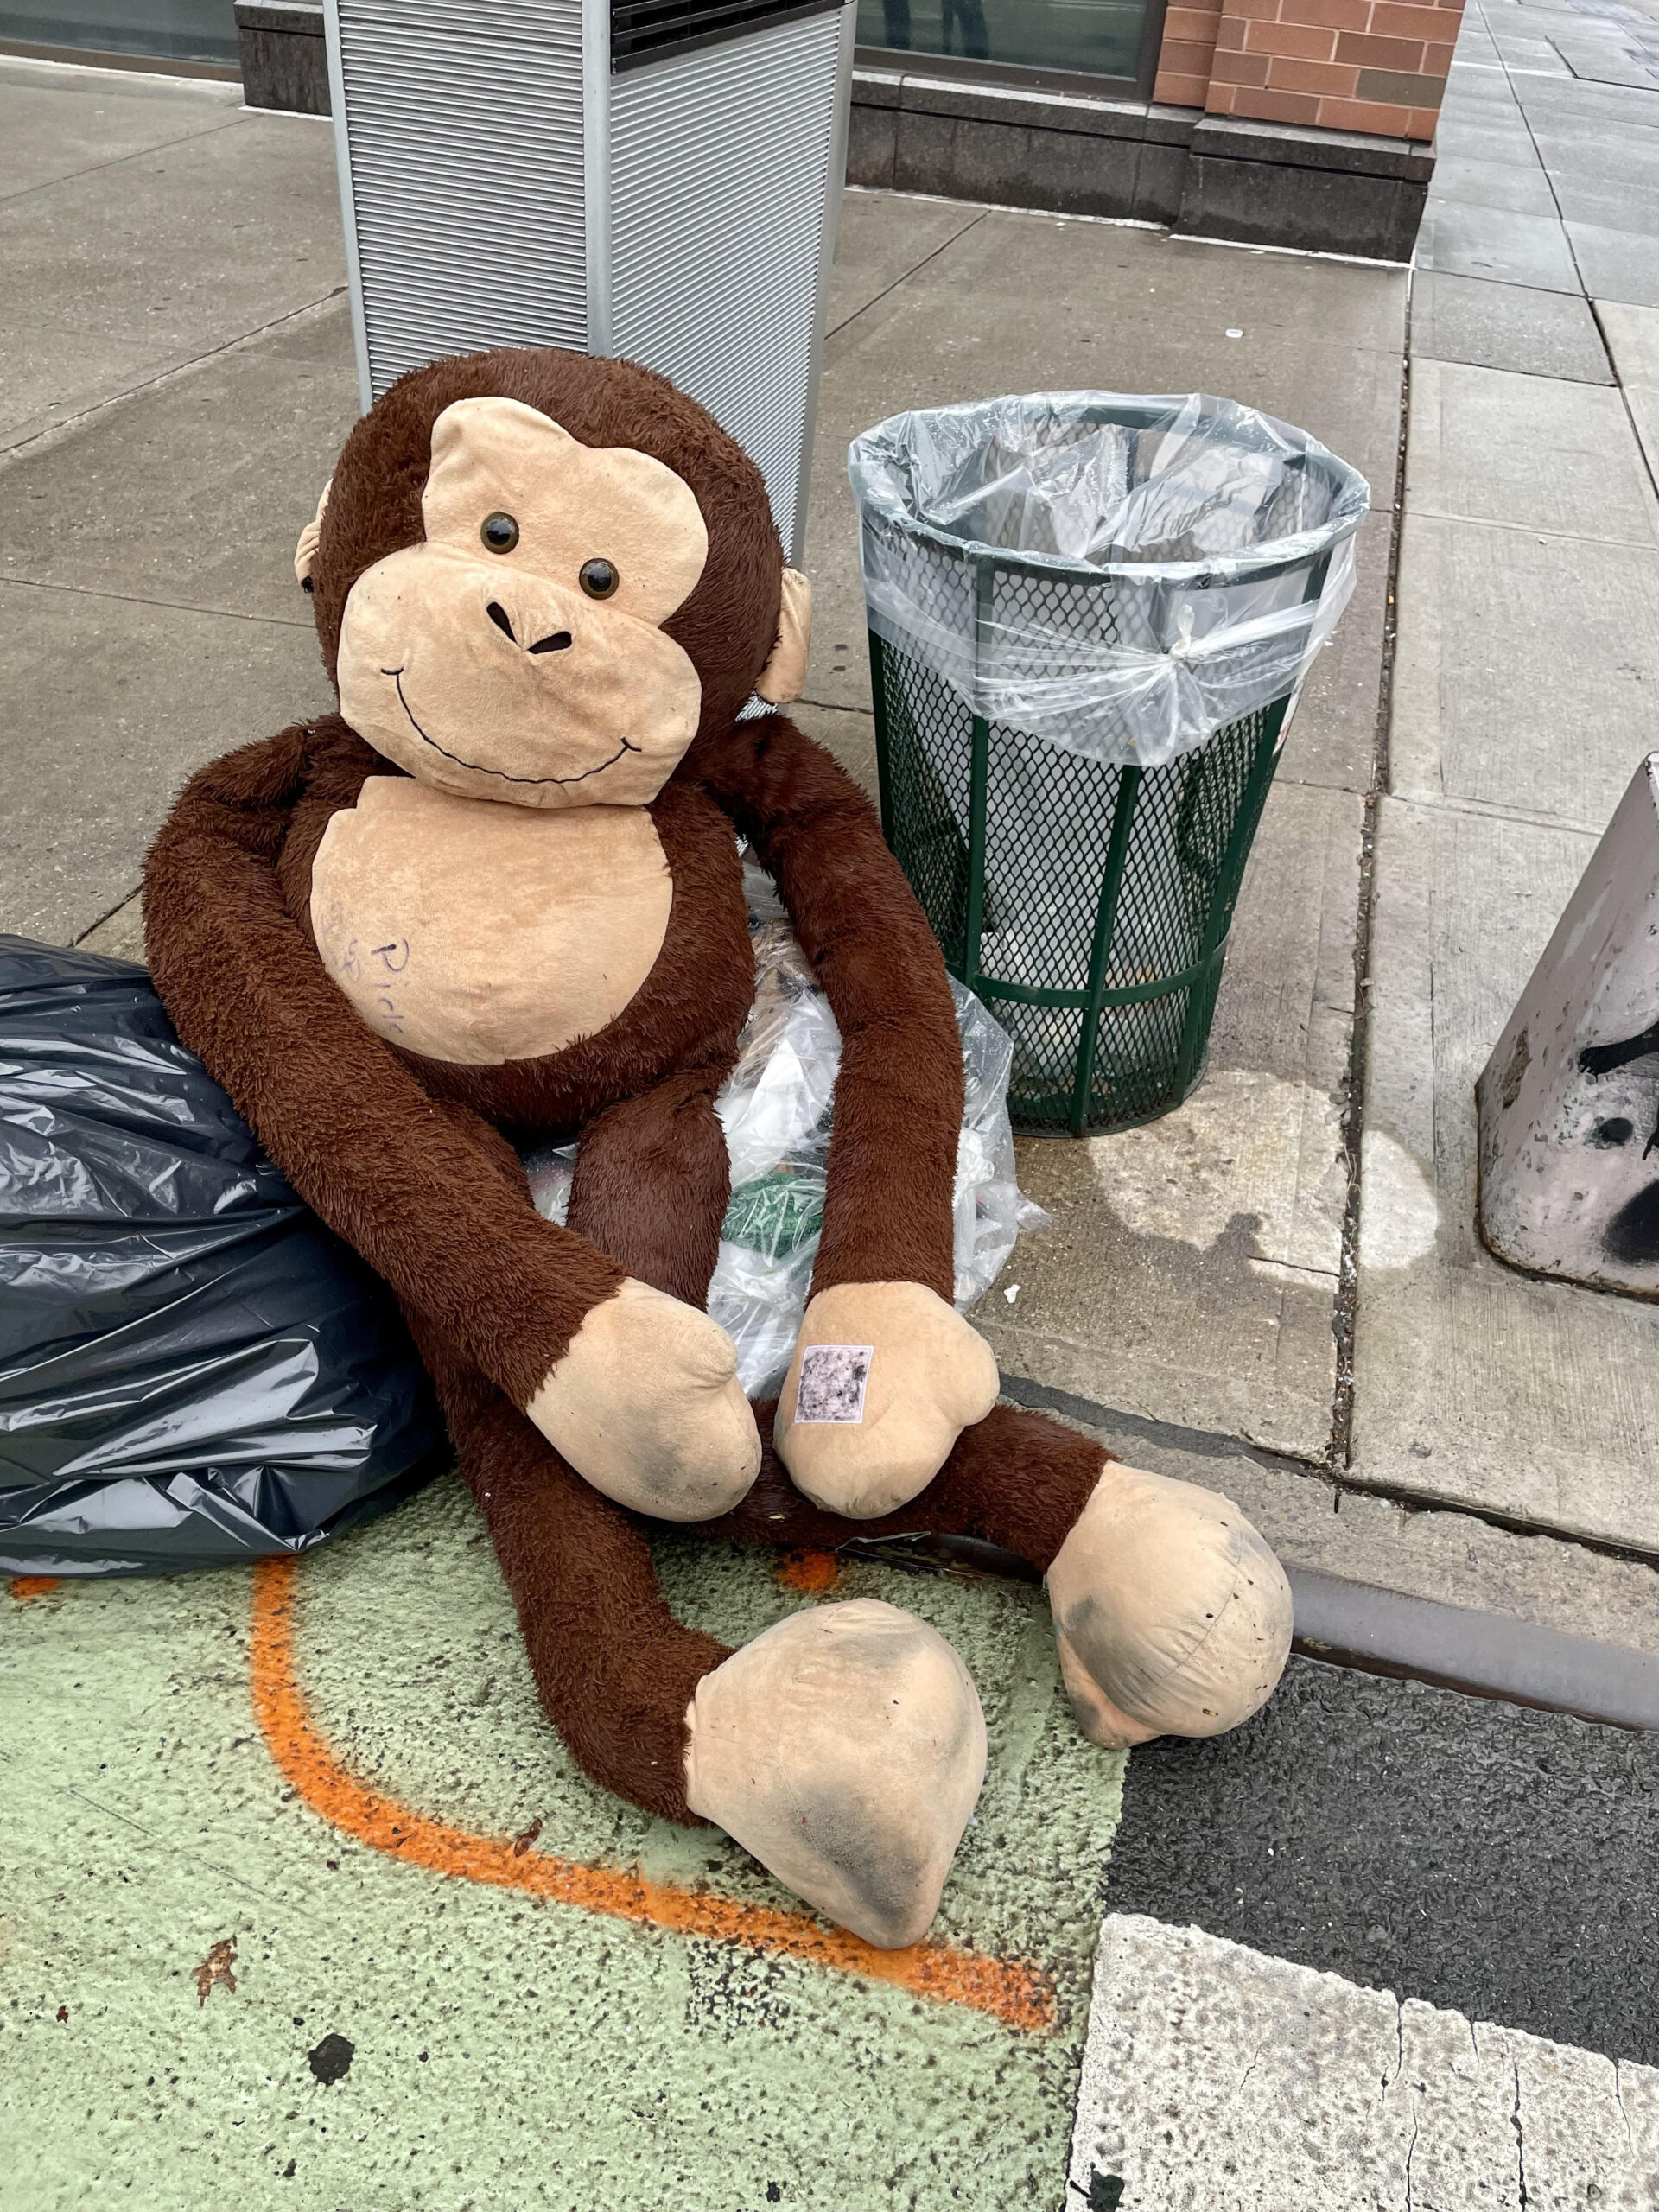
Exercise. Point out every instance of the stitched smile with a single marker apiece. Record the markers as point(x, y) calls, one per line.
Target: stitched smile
point(397, 675)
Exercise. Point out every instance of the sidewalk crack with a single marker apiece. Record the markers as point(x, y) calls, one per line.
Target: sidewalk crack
point(1618, 2099)
point(1400, 2051)
point(1249, 2070)
point(1411, 2153)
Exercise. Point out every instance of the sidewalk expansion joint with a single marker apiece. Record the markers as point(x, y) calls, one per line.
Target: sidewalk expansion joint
point(1203, 1443)
point(120, 905)
point(1339, 1454)
point(1488, 810)
point(173, 606)
point(1109, 1423)
point(977, 216)
point(1543, 535)
point(1510, 75)
point(97, 168)
point(52, 431)
point(1624, 398)
point(833, 707)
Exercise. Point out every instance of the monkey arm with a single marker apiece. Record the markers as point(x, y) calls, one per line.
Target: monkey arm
point(892, 1154)
point(886, 1374)
point(429, 1202)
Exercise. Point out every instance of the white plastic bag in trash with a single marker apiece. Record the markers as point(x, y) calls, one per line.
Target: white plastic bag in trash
point(777, 1109)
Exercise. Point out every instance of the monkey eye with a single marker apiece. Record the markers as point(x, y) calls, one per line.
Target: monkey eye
point(599, 579)
point(499, 533)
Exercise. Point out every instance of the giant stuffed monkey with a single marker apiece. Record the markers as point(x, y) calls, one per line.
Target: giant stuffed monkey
point(497, 898)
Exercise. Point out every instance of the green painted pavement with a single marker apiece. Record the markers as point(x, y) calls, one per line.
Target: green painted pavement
point(508, 2050)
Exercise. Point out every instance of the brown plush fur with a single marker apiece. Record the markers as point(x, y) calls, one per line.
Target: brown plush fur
point(408, 1158)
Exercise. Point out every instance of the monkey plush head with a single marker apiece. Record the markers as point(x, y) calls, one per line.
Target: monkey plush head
point(520, 598)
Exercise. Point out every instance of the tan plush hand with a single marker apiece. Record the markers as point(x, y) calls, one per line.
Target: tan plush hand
point(884, 1378)
point(647, 1406)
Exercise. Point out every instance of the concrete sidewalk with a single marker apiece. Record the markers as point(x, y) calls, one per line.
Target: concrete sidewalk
point(1528, 619)
point(331, 1766)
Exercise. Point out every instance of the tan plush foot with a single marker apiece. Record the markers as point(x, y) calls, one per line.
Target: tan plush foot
point(645, 1405)
point(1173, 1615)
point(844, 1748)
point(884, 1378)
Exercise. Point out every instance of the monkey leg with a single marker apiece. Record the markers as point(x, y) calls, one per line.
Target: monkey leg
point(614, 1670)
point(1173, 1617)
point(651, 1183)
point(844, 1747)
point(1017, 1479)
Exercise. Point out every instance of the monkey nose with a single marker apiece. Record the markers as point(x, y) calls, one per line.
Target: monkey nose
point(557, 641)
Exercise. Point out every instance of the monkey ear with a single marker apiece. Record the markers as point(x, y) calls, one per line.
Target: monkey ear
point(305, 552)
point(784, 677)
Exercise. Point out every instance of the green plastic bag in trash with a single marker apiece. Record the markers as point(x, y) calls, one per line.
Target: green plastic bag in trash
point(777, 1212)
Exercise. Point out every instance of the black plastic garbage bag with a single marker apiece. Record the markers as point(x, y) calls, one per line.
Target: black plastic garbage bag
point(193, 1369)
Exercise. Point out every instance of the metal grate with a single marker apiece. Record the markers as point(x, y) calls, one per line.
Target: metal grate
point(1088, 906)
point(644, 30)
point(500, 188)
point(718, 228)
point(466, 214)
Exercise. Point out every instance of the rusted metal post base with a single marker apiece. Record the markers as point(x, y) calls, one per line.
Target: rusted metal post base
point(1569, 1101)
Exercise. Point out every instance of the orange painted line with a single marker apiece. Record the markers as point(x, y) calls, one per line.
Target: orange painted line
point(811, 1573)
point(25, 1586)
point(1013, 1991)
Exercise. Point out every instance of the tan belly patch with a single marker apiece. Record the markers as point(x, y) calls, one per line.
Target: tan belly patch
point(474, 931)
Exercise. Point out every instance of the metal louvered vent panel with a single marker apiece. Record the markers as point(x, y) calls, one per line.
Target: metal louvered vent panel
point(465, 129)
point(722, 169)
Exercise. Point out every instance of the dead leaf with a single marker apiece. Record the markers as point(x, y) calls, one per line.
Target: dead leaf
point(63, 2013)
point(215, 1970)
point(521, 1843)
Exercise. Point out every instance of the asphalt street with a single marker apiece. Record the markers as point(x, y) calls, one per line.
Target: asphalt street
point(1471, 1854)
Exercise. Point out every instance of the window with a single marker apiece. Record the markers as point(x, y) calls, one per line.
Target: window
point(1096, 38)
point(178, 30)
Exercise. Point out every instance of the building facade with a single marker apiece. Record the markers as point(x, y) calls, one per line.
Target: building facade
point(1293, 123)
point(1306, 123)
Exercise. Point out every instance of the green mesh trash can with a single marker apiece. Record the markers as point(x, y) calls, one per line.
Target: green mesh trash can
point(1090, 618)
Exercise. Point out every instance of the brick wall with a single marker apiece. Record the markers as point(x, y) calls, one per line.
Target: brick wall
point(1377, 65)
point(1183, 58)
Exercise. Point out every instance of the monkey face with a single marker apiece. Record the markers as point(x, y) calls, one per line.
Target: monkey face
point(518, 653)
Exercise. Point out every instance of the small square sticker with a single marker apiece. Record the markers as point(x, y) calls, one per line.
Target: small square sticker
point(832, 1382)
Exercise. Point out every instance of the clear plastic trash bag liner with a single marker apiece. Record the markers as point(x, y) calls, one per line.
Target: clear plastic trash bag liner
point(1148, 624)
point(777, 1110)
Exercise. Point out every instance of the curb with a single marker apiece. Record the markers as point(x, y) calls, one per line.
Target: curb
point(1481, 1654)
